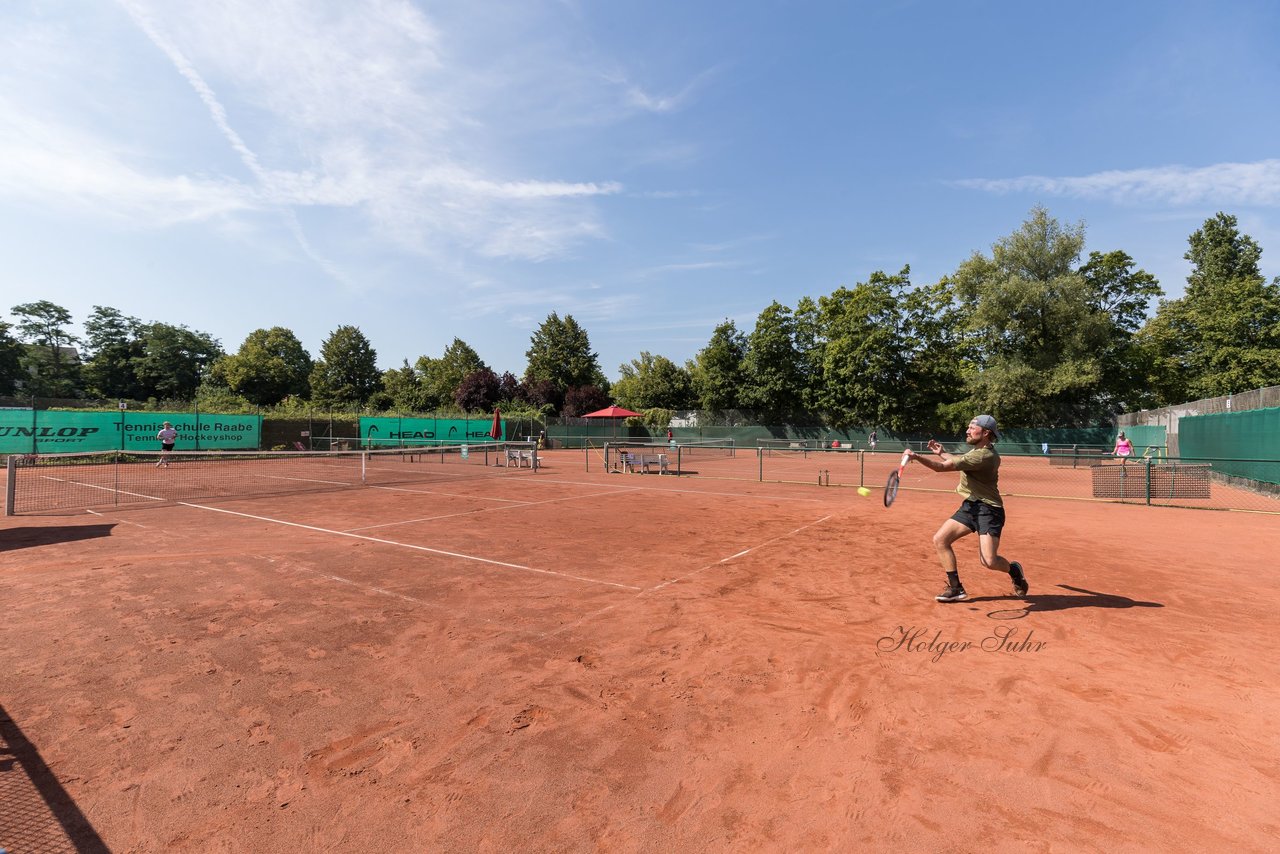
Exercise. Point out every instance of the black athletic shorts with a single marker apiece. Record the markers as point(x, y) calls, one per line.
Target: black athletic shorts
point(981, 517)
point(164, 447)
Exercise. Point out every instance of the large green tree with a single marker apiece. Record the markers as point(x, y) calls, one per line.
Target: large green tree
point(270, 365)
point(865, 357)
point(1223, 335)
point(937, 349)
point(50, 361)
point(10, 360)
point(1041, 333)
point(440, 378)
point(1123, 293)
point(112, 343)
point(346, 373)
point(773, 367)
point(404, 387)
point(173, 361)
point(717, 370)
point(653, 382)
point(560, 352)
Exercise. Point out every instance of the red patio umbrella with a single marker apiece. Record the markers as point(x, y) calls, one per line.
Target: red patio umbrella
point(495, 432)
point(615, 412)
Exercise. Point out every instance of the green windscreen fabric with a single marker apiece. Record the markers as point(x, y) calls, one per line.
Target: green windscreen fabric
point(1244, 444)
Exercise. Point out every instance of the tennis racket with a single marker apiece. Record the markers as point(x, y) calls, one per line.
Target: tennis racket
point(895, 478)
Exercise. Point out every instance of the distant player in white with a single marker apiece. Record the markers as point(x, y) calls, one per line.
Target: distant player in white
point(167, 437)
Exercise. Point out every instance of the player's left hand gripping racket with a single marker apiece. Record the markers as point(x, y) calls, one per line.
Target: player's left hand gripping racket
point(895, 478)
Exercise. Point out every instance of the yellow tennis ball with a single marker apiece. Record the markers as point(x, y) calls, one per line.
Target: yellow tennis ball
point(863, 491)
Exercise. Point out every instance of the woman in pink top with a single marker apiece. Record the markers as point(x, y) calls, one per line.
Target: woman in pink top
point(1123, 448)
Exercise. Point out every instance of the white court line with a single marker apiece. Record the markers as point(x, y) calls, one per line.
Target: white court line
point(380, 590)
point(671, 581)
point(103, 488)
point(522, 504)
point(409, 546)
point(121, 521)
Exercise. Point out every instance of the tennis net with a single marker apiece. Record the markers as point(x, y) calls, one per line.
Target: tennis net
point(36, 483)
point(786, 446)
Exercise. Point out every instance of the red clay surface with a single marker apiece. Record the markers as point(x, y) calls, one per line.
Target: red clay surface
point(578, 661)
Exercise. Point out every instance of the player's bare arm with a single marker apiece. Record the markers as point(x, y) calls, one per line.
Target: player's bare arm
point(943, 463)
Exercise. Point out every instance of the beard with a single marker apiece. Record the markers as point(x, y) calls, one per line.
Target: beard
point(969, 440)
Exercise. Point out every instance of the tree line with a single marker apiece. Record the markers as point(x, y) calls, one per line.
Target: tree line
point(1034, 331)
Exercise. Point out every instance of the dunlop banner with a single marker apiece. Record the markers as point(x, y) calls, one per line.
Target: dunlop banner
point(397, 432)
point(49, 432)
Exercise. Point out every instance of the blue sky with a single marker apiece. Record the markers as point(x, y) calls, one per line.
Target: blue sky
point(428, 171)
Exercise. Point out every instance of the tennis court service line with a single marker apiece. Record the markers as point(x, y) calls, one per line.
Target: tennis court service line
point(418, 548)
point(686, 577)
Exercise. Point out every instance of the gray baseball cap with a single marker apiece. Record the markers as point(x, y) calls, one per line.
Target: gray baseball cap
point(987, 422)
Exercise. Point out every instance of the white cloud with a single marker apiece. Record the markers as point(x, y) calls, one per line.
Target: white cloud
point(49, 166)
point(1223, 183)
point(357, 111)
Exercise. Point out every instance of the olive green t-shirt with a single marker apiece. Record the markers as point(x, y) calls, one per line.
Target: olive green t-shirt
point(979, 475)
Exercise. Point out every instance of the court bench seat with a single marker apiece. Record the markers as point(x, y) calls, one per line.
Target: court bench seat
point(642, 463)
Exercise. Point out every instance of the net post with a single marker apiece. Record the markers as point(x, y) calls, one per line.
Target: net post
point(10, 483)
point(364, 468)
point(1148, 478)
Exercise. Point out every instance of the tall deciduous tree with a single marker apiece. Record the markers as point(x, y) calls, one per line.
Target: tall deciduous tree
point(270, 365)
point(112, 344)
point(442, 377)
point(580, 400)
point(653, 382)
point(10, 360)
point(934, 324)
point(174, 360)
point(1040, 335)
point(346, 373)
point(49, 360)
point(717, 370)
point(404, 387)
point(865, 356)
point(1223, 335)
point(1123, 293)
point(560, 352)
point(773, 367)
point(478, 391)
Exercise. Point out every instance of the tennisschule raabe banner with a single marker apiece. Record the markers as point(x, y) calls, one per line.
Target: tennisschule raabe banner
point(49, 432)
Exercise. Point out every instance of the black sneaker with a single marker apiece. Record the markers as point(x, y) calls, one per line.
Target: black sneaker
point(1020, 586)
point(952, 594)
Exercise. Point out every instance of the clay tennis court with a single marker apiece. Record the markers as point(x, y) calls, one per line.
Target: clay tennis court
point(573, 660)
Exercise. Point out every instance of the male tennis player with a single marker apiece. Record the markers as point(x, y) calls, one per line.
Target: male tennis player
point(167, 437)
point(982, 511)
